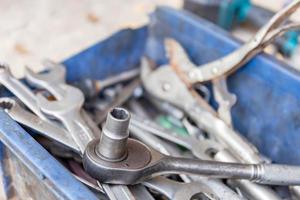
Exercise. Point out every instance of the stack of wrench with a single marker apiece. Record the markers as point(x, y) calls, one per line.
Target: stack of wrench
point(125, 153)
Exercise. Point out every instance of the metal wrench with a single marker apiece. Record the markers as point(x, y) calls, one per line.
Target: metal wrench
point(218, 188)
point(179, 191)
point(15, 111)
point(20, 90)
point(239, 57)
point(68, 110)
point(202, 149)
point(54, 81)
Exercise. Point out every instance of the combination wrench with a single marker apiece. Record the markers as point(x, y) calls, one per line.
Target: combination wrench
point(54, 81)
point(20, 90)
point(67, 109)
point(22, 116)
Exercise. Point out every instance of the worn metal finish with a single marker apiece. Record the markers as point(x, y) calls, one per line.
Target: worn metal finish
point(54, 81)
point(113, 140)
point(179, 191)
point(67, 111)
point(202, 150)
point(224, 98)
point(46, 169)
point(63, 186)
point(200, 112)
point(66, 108)
point(165, 21)
point(219, 189)
point(56, 133)
point(142, 163)
point(123, 96)
point(273, 129)
point(20, 90)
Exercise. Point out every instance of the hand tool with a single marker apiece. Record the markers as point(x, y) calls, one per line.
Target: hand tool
point(179, 191)
point(182, 98)
point(224, 98)
point(228, 13)
point(123, 96)
point(178, 52)
point(67, 111)
point(20, 90)
point(187, 102)
point(202, 150)
point(196, 108)
point(91, 88)
point(15, 111)
point(218, 188)
point(53, 81)
point(128, 161)
point(236, 59)
point(67, 108)
point(140, 192)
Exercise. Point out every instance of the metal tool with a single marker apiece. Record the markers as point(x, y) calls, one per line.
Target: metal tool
point(179, 191)
point(175, 50)
point(232, 61)
point(224, 98)
point(91, 88)
point(67, 108)
point(15, 111)
point(218, 188)
point(127, 161)
point(123, 96)
point(54, 81)
point(68, 112)
point(196, 108)
point(206, 149)
point(20, 90)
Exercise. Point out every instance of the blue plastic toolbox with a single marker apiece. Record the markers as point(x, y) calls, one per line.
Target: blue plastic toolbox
point(267, 110)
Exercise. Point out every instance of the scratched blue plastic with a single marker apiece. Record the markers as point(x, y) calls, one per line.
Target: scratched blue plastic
point(61, 183)
point(268, 105)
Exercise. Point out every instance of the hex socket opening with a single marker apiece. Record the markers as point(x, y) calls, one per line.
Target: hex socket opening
point(119, 113)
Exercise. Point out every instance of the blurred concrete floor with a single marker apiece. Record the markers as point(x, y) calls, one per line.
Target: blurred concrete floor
point(32, 30)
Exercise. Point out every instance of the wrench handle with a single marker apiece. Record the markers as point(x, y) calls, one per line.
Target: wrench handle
point(269, 174)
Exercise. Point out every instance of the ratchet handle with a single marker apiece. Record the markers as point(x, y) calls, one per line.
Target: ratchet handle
point(269, 174)
point(274, 174)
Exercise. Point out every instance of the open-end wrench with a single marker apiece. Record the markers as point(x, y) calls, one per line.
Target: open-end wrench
point(67, 110)
point(202, 149)
point(54, 81)
point(20, 90)
point(22, 116)
point(180, 191)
